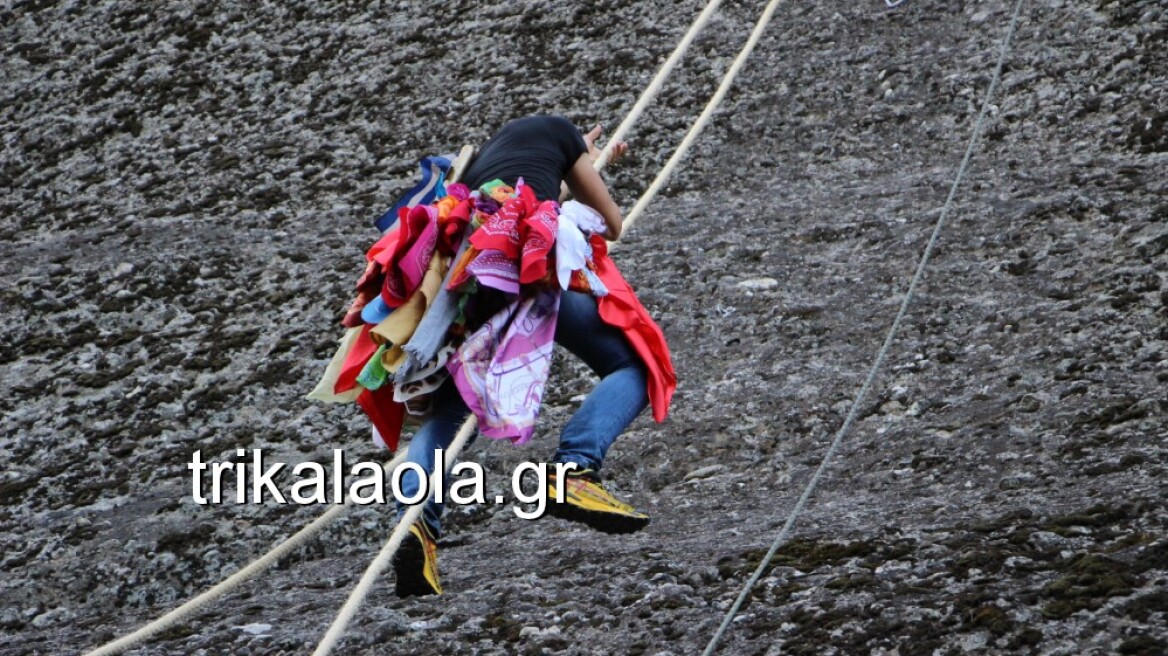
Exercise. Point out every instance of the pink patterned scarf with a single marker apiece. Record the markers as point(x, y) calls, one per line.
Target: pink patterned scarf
point(502, 368)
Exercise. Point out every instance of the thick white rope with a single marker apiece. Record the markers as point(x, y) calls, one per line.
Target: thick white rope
point(707, 113)
point(226, 585)
point(851, 417)
point(654, 87)
point(357, 596)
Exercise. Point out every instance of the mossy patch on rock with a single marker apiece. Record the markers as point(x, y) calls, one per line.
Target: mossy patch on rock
point(1098, 516)
point(851, 582)
point(1143, 607)
point(1087, 581)
point(809, 554)
point(502, 628)
point(1144, 645)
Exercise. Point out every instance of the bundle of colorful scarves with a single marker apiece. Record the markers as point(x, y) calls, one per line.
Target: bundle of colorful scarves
point(468, 287)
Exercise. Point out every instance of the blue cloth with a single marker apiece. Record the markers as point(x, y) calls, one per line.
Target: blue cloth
point(375, 311)
point(612, 405)
point(430, 187)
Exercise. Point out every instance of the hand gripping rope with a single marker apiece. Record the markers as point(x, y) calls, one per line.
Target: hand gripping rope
point(851, 417)
point(284, 548)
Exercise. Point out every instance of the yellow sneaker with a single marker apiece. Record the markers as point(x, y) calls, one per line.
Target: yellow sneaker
point(416, 563)
point(586, 501)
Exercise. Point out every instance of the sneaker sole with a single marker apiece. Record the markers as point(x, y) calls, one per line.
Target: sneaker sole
point(605, 522)
point(408, 565)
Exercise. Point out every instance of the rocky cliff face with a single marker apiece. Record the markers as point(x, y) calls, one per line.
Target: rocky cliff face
point(188, 186)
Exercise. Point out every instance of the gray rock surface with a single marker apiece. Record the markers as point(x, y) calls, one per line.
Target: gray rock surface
point(186, 188)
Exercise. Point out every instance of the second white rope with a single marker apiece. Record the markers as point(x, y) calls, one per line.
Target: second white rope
point(704, 118)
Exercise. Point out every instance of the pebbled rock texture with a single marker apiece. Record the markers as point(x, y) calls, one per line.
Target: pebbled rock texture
point(186, 188)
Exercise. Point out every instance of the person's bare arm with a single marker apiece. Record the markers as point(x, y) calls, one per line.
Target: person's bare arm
point(589, 188)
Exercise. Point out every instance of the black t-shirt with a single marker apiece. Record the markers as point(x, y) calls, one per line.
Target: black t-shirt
point(539, 149)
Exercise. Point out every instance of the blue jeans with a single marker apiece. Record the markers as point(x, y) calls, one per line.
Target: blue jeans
point(611, 406)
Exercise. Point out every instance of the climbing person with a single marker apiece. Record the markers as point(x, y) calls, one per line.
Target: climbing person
point(461, 304)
